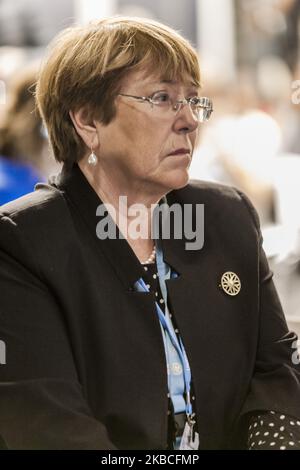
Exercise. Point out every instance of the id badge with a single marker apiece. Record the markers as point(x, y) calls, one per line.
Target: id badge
point(187, 442)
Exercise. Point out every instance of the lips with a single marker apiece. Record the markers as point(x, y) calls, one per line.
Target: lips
point(180, 151)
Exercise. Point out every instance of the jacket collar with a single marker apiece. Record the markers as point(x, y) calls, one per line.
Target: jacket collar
point(85, 201)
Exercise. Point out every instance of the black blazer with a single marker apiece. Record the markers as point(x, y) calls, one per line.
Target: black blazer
point(85, 363)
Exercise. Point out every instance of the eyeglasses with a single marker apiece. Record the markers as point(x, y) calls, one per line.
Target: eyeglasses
point(165, 107)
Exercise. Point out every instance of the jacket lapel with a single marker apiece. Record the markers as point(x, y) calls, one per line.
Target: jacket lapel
point(117, 251)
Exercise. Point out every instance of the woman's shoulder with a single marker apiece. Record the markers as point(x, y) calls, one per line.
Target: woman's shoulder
point(45, 201)
point(32, 225)
point(211, 190)
point(42, 206)
point(217, 199)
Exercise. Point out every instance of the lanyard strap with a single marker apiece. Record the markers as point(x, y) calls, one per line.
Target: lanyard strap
point(178, 345)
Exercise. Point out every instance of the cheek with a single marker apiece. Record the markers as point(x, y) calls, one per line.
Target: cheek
point(143, 140)
point(126, 130)
point(142, 134)
point(133, 137)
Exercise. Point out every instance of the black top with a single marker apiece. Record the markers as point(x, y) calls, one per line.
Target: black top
point(85, 364)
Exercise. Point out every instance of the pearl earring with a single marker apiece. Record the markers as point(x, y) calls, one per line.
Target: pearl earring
point(93, 159)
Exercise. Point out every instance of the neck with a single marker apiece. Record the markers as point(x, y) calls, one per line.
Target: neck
point(121, 197)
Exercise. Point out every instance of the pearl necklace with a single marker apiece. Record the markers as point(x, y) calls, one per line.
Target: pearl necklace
point(151, 257)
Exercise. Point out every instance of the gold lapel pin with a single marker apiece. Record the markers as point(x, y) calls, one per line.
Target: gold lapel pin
point(230, 283)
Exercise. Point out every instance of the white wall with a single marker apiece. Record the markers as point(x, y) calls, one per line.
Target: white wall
point(86, 10)
point(216, 37)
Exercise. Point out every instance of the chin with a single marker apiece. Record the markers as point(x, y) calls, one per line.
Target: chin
point(177, 179)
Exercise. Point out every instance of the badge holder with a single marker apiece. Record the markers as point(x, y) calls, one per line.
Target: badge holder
point(190, 439)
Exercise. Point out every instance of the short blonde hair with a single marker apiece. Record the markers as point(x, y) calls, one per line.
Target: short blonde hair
point(86, 65)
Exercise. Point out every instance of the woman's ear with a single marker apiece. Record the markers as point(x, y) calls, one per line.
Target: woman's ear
point(85, 127)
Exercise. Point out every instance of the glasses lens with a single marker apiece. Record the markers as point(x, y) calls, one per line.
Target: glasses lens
point(163, 105)
point(161, 99)
point(204, 114)
point(204, 109)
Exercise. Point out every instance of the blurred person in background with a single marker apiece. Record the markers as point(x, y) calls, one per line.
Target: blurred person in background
point(23, 141)
point(124, 342)
point(12, 59)
point(289, 46)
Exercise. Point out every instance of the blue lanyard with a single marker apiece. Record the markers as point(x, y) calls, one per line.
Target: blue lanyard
point(178, 345)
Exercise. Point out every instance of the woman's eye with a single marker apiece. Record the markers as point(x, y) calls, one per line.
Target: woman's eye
point(194, 100)
point(160, 97)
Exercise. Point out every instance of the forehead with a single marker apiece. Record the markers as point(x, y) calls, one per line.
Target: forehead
point(147, 77)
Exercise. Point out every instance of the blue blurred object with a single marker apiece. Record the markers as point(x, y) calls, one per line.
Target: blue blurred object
point(16, 179)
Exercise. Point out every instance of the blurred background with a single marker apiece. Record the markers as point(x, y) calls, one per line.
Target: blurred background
point(250, 60)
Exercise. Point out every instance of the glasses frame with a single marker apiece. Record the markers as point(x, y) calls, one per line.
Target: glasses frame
point(204, 103)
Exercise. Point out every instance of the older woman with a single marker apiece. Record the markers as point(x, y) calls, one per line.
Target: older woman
point(119, 341)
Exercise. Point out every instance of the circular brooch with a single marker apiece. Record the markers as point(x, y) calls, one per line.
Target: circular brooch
point(230, 283)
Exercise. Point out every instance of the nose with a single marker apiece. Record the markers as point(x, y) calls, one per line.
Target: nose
point(185, 122)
